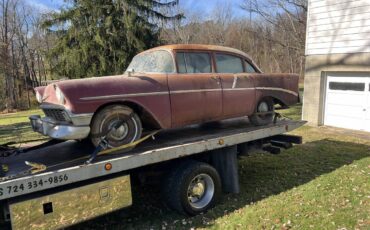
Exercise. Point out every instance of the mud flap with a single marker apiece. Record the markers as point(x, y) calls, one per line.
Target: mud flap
point(226, 163)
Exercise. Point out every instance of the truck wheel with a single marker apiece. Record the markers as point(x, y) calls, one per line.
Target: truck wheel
point(192, 188)
point(111, 118)
point(264, 106)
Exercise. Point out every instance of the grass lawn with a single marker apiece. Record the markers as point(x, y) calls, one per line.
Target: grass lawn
point(16, 127)
point(322, 184)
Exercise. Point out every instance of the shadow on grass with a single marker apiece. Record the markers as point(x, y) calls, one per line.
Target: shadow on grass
point(261, 176)
point(16, 132)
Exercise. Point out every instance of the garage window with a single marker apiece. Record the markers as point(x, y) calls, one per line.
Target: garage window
point(347, 86)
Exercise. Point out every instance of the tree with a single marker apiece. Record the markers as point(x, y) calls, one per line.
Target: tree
point(100, 37)
point(6, 36)
point(22, 64)
point(273, 37)
point(288, 23)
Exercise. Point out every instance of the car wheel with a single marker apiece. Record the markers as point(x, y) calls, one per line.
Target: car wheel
point(119, 124)
point(264, 114)
point(192, 188)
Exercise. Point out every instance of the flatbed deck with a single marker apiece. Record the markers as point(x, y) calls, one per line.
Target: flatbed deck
point(65, 161)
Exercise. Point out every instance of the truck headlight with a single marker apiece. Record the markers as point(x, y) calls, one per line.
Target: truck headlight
point(60, 96)
point(38, 97)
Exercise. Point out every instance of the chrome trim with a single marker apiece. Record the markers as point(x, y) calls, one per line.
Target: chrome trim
point(157, 93)
point(81, 119)
point(119, 96)
point(234, 82)
point(76, 119)
point(238, 89)
point(277, 89)
point(195, 91)
point(51, 106)
point(49, 127)
point(123, 96)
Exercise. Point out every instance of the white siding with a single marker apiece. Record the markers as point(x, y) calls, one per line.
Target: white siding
point(338, 26)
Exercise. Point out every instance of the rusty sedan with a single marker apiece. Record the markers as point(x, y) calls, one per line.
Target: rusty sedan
point(164, 87)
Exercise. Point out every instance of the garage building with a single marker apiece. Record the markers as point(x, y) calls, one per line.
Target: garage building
point(337, 77)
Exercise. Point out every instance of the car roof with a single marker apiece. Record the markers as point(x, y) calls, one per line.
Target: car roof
point(200, 47)
point(204, 47)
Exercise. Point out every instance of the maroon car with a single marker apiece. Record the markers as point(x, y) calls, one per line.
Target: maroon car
point(165, 87)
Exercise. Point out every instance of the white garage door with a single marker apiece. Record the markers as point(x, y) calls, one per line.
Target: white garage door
point(347, 103)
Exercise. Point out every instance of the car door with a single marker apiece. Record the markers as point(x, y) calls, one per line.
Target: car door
point(238, 92)
point(195, 91)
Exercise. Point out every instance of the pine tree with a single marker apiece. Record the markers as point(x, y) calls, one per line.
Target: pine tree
point(100, 37)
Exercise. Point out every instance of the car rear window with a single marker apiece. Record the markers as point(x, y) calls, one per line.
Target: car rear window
point(350, 86)
point(193, 62)
point(229, 64)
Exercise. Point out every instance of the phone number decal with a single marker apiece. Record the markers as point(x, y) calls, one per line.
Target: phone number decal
point(14, 189)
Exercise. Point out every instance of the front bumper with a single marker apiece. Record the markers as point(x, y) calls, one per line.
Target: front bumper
point(49, 127)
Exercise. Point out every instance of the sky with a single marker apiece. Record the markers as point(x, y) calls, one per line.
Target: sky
point(205, 6)
point(208, 5)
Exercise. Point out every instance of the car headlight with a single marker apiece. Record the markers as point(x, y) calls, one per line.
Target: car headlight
point(38, 97)
point(60, 96)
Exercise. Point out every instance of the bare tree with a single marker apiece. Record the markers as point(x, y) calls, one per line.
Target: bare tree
point(288, 21)
point(22, 51)
point(275, 39)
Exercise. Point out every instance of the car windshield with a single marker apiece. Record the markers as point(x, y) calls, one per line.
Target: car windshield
point(152, 62)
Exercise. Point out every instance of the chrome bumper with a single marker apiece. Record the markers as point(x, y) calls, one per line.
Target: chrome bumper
point(48, 127)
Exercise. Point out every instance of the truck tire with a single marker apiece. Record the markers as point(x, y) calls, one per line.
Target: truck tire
point(107, 118)
point(265, 105)
point(192, 188)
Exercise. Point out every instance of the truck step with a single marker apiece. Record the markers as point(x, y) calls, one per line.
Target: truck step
point(280, 144)
point(287, 138)
point(272, 149)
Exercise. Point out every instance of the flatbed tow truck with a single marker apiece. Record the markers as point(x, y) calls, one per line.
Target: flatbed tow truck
point(52, 186)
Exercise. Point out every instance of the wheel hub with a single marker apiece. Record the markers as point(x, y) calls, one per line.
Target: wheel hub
point(200, 191)
point(118, 133)
point(263, 107)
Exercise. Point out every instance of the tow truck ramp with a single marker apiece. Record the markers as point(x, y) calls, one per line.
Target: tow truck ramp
point(69, 191)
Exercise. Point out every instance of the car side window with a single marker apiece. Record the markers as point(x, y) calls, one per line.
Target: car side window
point(229, 64)
point(193, 62)
point(249, 68)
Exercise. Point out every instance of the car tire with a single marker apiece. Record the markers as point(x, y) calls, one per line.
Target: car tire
point(192, 188)
point(109, 117)
point(265, 105)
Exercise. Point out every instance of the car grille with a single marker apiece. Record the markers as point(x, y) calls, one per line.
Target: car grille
point(57, 114)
